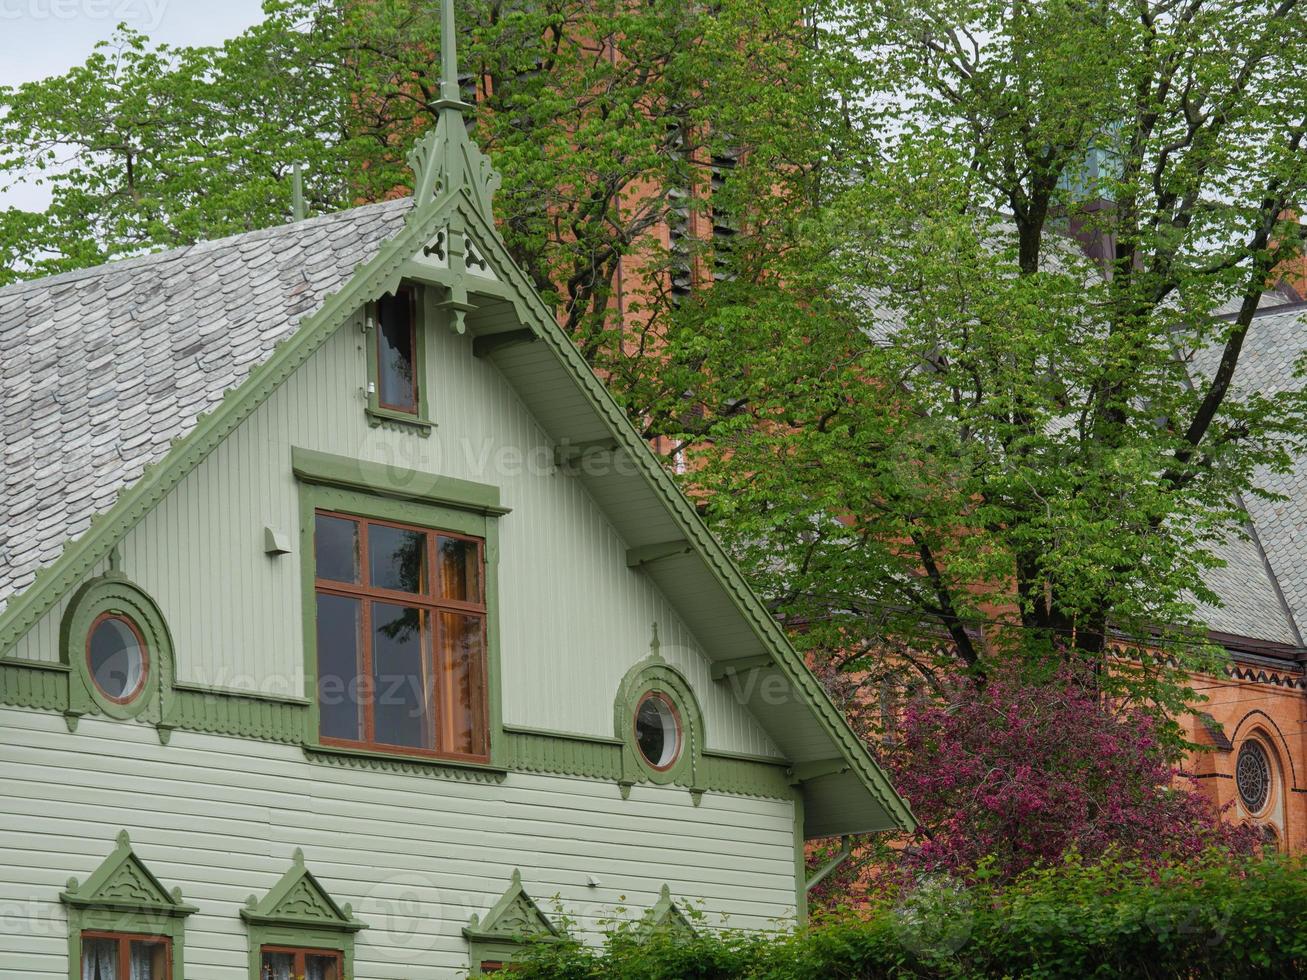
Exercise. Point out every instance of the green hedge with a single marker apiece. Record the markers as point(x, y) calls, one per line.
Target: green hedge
point(1244, 920)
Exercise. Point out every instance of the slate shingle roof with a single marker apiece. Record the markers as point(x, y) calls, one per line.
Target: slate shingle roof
point(1275, 342)
point(101, 369)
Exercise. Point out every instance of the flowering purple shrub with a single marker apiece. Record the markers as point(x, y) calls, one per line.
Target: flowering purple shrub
point(1021, 774)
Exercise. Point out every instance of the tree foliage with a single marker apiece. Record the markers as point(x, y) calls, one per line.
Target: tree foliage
point(948, 432)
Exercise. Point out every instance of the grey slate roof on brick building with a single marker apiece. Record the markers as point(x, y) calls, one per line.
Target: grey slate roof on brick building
point(101, 369)
point(1276, 340)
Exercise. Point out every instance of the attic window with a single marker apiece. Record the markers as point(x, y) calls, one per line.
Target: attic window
point(397, 360)
point(116, 657)
point(658, 730)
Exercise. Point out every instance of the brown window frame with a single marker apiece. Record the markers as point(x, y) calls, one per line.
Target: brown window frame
point(124, 941)
point(432, 605)
point(408, 293)
point(300, 969)
point(676, 719)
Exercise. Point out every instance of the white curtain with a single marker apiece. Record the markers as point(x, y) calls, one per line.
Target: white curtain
point(99, 959)
point(277, 966)
point(143, 958)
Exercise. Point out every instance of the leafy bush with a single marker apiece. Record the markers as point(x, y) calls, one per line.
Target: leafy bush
point(1207, 919)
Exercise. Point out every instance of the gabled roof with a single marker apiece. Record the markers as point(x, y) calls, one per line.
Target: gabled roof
point(258, 320)
point(101, 370)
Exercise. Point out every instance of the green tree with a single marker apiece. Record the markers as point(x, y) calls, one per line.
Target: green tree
point(955, 436)
point(604, 117)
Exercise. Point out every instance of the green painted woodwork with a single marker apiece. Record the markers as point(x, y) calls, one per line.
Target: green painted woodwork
point(298, 911)
point(34, 684)
point(800, 864)
point(245, 714)
point(377, 415)
point(474, 512)
point(665, 918)
point(403, 483)
point(453, 196)
point(512, 922)
point(123, 895)
point(113, 592)
point(653, 674)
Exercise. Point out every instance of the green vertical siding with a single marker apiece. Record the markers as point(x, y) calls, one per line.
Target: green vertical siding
point(575, 618)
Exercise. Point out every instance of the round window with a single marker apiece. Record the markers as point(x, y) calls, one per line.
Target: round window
point(658, 730)
point(1252, 773)
point(116, 657)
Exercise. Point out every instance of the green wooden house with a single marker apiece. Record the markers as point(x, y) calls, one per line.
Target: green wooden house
point(347, 629)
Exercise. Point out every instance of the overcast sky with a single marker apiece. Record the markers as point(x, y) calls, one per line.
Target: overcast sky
point(39, 38)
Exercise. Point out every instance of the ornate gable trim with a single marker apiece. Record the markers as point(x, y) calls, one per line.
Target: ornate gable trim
point(123, 883)
point(666, 918)
point(299, 901)
point(514, 918)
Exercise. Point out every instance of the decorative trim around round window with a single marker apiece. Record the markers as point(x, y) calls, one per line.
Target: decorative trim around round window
point(658, 719)
point(1252, 775)
point(657, 730)
point(116, 642)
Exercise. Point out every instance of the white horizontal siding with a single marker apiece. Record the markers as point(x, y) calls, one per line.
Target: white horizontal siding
point(416, 856)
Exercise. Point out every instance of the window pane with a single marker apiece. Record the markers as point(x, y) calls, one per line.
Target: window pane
point(396, 357)
point(340, 624)
point(460, 569)
point(149, 961)
point(336, 541)
point(321, 968)
point(278, 966)
point(400, 661)
point(460, 666)
point(397, 558)
point(116, 658)
point(100, 959)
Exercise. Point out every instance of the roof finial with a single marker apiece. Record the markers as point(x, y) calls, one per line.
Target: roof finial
point(450, 97)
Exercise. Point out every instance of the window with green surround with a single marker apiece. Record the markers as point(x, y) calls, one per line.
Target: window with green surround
point(514, 922)
point(401, 639)
point(123, 924)
point(397, 359)
point(401, 626)
point(117, 645)
point(658, 719)
point(298, 931)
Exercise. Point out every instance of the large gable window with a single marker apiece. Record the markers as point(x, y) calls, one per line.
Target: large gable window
point(401, 627)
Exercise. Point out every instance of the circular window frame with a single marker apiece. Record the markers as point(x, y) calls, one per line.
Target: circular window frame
point(658, 694)
point(1250, 747)
point(143, 680)
point(113, 594)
